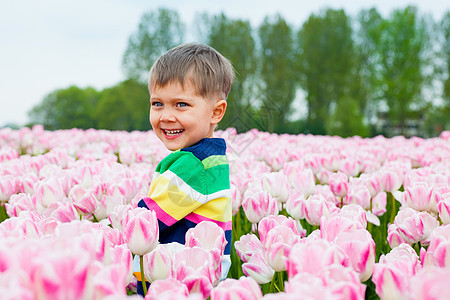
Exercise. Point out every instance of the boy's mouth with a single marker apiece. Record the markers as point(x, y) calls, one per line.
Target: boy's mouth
point(172, 133)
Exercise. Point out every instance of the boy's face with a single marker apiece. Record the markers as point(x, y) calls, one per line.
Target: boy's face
point(180, 117)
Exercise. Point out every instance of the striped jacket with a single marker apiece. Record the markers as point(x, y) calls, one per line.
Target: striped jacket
point(192, 185)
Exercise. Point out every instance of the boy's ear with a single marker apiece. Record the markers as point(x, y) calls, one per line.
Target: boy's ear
point(218, 111)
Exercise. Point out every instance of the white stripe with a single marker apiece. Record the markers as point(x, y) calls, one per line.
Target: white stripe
point(186, 188)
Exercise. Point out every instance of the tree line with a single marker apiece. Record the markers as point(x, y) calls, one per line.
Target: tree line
point(336, 74)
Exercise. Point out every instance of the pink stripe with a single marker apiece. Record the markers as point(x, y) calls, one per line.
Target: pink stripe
point(198, 218)
point(161, 215)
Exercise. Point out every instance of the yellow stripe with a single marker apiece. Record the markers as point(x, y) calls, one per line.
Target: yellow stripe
point(218, 209)
point(214, 160)
point(171, 199)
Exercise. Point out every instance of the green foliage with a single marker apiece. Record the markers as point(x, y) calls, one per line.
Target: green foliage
point(347, 120)
point(277, 73)
point(402, 47)
point(326, 65)
point(239, 48)
point(124, 107)
point(157, 32)
point(354, 73)
point(72, 107)
point(445, 27)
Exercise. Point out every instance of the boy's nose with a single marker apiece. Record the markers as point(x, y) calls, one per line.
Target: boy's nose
point(167, 116)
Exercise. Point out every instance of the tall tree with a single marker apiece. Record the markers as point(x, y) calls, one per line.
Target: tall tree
point(234, 40)
point(403, 45)
point(124, 106)
point(326, 65)
point(367, 41)
point(72, 107)
point(445, 25)
point(277, 72)
point(157, 32)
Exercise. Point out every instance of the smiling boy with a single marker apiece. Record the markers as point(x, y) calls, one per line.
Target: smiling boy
point(188, 86)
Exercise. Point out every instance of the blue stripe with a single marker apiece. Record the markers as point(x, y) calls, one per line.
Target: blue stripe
point(207, 147)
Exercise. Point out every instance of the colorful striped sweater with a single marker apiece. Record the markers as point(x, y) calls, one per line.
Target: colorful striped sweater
point(192, 185)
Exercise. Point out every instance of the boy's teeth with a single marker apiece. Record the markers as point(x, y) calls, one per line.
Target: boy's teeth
point(173, 132)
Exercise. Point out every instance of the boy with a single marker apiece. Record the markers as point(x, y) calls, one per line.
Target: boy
point(188, 88)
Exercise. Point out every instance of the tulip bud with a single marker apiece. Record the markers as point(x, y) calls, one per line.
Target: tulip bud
point(140, 230)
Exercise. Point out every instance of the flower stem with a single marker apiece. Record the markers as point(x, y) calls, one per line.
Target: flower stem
point(144, 284)
point(95, 218)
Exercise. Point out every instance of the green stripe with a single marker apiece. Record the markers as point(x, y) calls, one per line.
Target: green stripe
point(206, 177)
point(214, 160)
point(216, 178)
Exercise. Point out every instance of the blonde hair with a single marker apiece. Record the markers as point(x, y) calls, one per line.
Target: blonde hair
point(209, 72)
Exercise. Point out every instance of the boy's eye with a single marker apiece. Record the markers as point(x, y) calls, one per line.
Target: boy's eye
point(156, 103)
point(182, 104)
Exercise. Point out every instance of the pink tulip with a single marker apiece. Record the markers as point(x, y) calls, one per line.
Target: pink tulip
point(242, 288)
point(303, 181)
point(277, 246)
point(113, 235)
point(121, 255)
point(8, 153)
point(277, 184)
point(325, 191)
point(161, 289)
point(379, 204)
point(444, 208)
point(355, 213)
point(344, 282)
point(360, 249)
point(308, 286)
point(194, 268)
point(314, 255)
point(248, 245)
point(390, 181)
point(83, 176)
point(20, 202)
point(258, 268)
point(430, 283)
point(316, 207)
point(211, 237)
point(331, 162)
point(21, 228)
point(295, 205)
point(48, 191)
point(8, 187)
point(393, 272)
point(83, 200)
point(207, 235)
point(438, 252)
point(270, 222)
point(258, 205)
point(349, 167)
point(415, 226)
point(338, 183)
point(49, 274)
point(106, 205)
point(26, 183)
point(236, 199)
point(140, 230)
point(117, 215)
point(394, 237)
point(110, 280)
point(421, 197)
point(158, 263)
point(278, 234)
point(62, 211)
point(359, 194)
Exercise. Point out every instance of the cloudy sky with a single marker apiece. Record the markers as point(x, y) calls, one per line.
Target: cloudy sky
point(51, 44)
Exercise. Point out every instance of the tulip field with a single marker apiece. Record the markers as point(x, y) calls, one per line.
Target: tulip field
point(314, 217)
